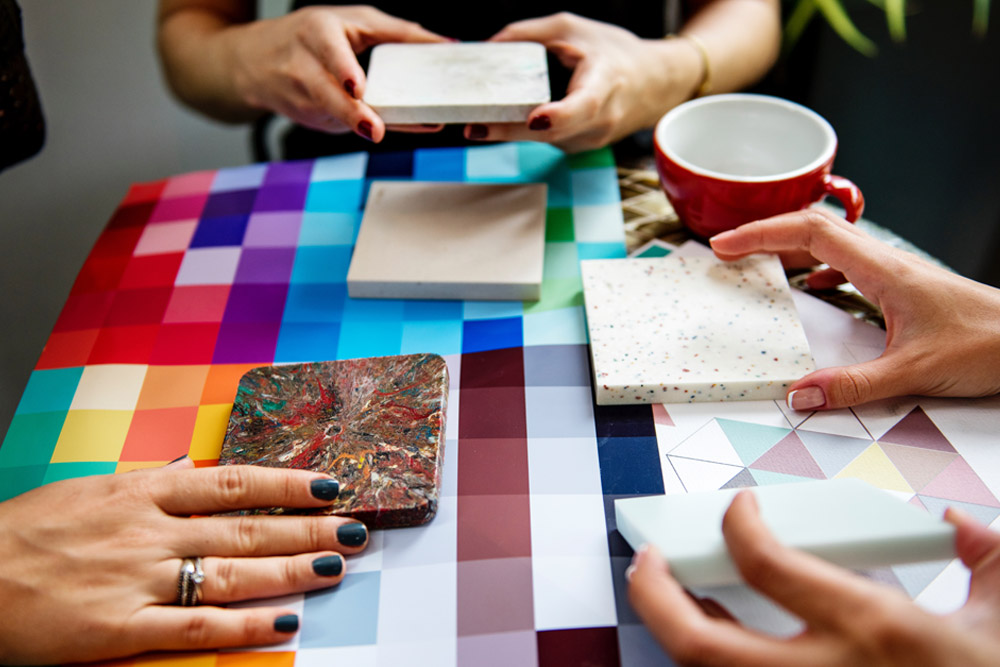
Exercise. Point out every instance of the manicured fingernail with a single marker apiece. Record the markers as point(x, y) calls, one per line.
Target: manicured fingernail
point(287, 623)
point(478, 131)
point(720, 236)
point(629, 571)
point(365, 130)
point(352, 534)
point(542, 122)
point(806, 399)
point(328, 566)
point(179, 458)
point(325, 489)
point(349, 87)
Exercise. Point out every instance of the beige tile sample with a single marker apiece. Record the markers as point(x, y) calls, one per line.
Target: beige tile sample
point(691, 329)
point(471, 82)
point(450, 241)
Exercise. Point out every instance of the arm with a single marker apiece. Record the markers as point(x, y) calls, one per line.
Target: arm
point(622, 83)
point(848, 620)
point(90, 565)
point(221, 61)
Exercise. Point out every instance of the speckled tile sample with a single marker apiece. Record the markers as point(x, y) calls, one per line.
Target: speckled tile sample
point(376, 425)
point(473, 82)
point(419, 240)
point(686, 329)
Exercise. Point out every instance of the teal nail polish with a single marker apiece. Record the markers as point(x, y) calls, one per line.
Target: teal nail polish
point(288, 623)
point(328, 566)
point(352, 534)
point(325, 489)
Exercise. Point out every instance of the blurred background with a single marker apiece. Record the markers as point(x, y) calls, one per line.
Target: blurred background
point(917, 121)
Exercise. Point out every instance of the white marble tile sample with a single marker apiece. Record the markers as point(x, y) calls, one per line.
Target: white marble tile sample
point(845, 521)
point(680, 329)
point(483, 242)
point(472, 82)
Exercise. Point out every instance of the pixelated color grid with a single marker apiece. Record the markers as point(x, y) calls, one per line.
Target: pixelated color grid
point(199, 277)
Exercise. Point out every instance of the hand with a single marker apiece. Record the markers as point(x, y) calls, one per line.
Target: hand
point(609, 95)
point(90, 565)
point(302, 65)
point(943, 330)
point(848, 620)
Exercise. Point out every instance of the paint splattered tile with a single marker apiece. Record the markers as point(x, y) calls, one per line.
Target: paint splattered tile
point(686, 329)
point(374, 424)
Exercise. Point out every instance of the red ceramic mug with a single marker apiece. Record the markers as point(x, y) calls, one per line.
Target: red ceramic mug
point(725, 160)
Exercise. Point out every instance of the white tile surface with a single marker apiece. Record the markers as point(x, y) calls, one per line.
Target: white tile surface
point(688, 329)
point(474, 82)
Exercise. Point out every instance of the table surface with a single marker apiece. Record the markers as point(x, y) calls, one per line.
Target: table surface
point(200, 277)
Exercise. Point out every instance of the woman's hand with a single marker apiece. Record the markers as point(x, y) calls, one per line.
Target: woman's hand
point(943, 330)
point(90, 566)
point(848, 620)
point(620, 83)
point(302, 65)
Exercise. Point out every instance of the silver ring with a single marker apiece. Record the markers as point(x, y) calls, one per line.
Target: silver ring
point(189, 581)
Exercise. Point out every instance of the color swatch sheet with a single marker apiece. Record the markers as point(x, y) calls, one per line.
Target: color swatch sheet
point(200, 277)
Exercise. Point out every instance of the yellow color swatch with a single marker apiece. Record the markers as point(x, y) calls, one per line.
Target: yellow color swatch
point(209, 431)
point(874, 467)
point(92, 435)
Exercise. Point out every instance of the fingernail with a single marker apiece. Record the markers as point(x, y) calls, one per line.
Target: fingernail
point(720, 236)
point(352, 534)
point(349, 87)
point(179, 458)
point(365, 130)
point(328, 566)
point(287, 623)
point(629, 571)
point(955, 516)
point(542, 122)
point(806, 399)
point(325, 489)
point(478, 131)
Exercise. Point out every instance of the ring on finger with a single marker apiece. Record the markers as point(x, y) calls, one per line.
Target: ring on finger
point(189, 581)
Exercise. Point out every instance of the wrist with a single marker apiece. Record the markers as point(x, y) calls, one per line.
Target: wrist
point(676, 76)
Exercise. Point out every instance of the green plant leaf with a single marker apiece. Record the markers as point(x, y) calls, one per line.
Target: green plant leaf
point(841, 23)
point(895, 16)
point(980, 17)
point(797, 22)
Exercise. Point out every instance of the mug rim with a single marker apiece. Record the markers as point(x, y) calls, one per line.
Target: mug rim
point(825, 158)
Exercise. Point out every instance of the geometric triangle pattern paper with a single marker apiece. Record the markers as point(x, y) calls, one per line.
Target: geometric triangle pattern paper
point(702, 475)
point(709, 443)
point(984, 514)
point(741, 481)
point(915, 577)
point(789, 457)
point(959, 482)
point(832, 452)
point(917, 430)
point(917, 465)
point(874, 467)
point(767, 478)
point(835, 422)
point(751, 441)
point(660, 416)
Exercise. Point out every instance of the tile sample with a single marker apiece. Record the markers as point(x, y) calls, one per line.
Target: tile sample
point(860, 526)
point(374, 424)
point(450, 241)
point(685, 329)
point(473, 82)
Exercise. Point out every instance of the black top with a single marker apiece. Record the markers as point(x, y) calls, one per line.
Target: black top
point(466, 22)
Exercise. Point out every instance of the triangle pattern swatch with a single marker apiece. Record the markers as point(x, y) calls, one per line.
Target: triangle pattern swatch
point(874, 467)
point(832, 452)
point(917, 430)
point(752, 440)
point(702, 475)
point(917, 465)
point(742, 481)
point(960, 482)
point(789, 457)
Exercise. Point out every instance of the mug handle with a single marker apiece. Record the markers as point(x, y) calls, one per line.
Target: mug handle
point(847, 192)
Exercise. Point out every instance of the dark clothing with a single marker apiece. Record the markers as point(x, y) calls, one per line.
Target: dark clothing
point(22, 126)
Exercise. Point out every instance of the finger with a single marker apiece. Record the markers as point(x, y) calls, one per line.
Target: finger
point(233, 579)
point(198, 628)
point(329, 44)
point(825, 279)
point(973, 541)
point(846, 386)
point(331, 108)
point(227, 488)
point(180, 463)
point(242, 536)
point(686, 632)
point(816, 591)
point(428, 128)
point(544, 29)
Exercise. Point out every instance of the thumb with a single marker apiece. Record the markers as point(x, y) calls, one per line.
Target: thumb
point(974, 542)
point(846, 386)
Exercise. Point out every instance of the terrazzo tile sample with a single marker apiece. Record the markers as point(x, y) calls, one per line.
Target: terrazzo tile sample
point(482, 242)
point(374, 424)
point(473, 82)
point(690, 329)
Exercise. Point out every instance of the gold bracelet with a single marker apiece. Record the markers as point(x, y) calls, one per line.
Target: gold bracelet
point(705, 86)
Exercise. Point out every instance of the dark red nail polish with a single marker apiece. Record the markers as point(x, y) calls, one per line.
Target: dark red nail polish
point(349, 87)
point(478, 131)
point(365, 130)
point(542, 122)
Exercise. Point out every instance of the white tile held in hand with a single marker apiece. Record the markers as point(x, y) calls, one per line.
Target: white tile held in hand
point(483, 242)
point(473, 82)
point(845, 521)
point(686, 329)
